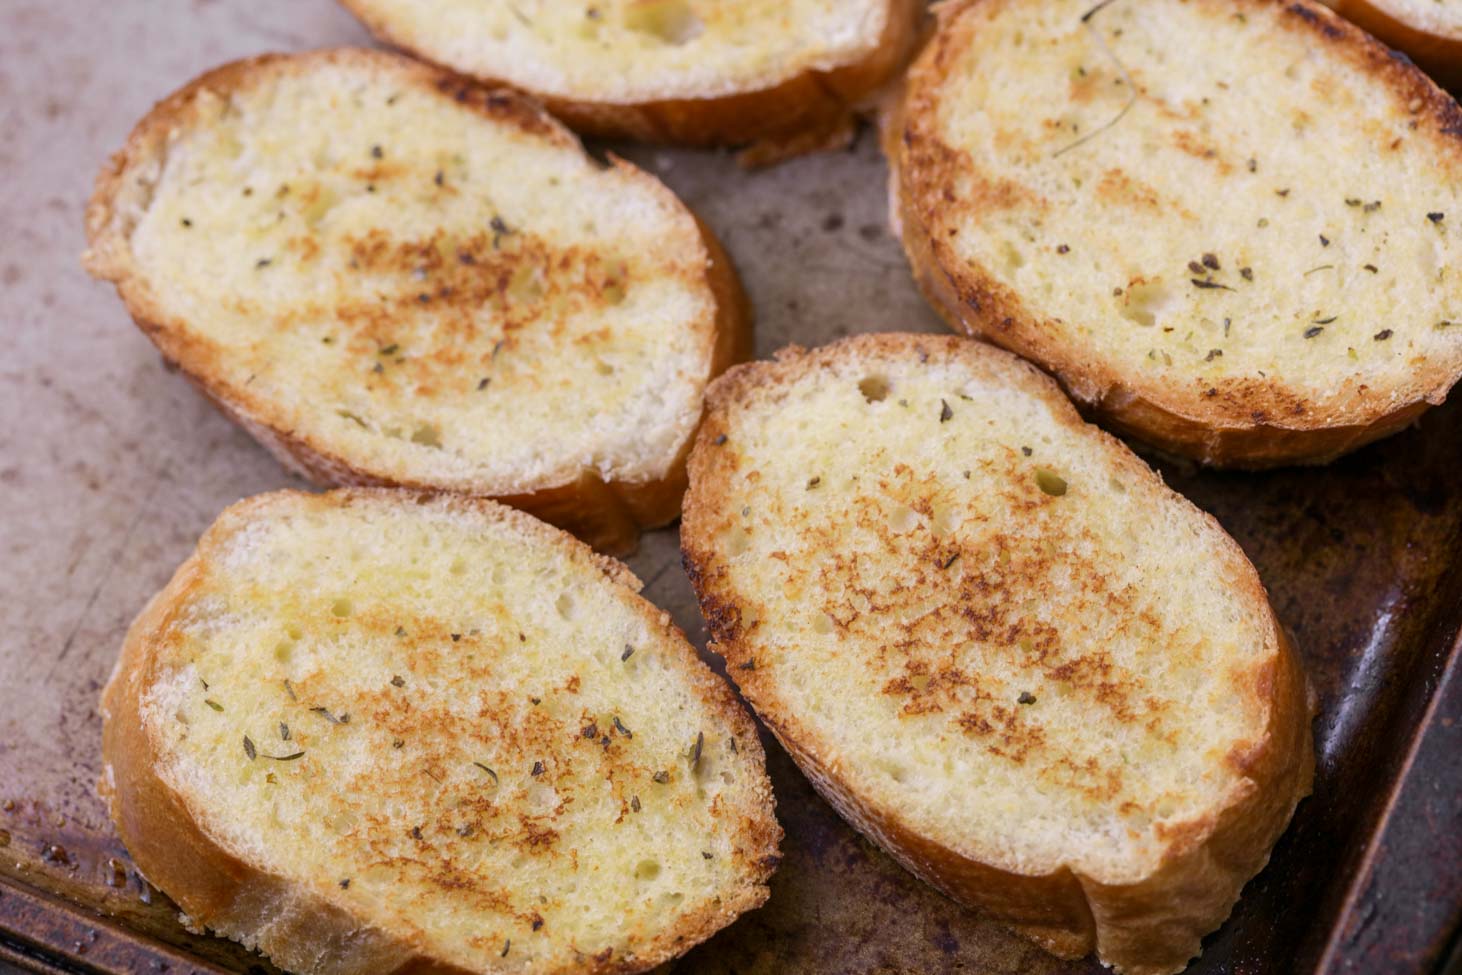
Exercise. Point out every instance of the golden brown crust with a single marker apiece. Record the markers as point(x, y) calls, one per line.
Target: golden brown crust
point(811, 111)
point(1239, 423)
point(608, 515)
point(1206, 861)
point(1439, 55)
point(297, 927)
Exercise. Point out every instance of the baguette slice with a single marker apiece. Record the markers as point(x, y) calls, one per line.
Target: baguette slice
point(784, 76)
point(1231, 228)
point(1428, 31)
point(392, 277)
point(992, 638)
point(372, 732)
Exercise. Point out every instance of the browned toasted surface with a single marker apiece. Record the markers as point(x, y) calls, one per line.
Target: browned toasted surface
point(988, 633)
point(365, 731)
point(393, 276)
point(1143, 217)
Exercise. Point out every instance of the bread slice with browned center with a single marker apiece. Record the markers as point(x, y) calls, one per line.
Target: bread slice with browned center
point(996, 641)
point(1232, 228)
point(393, 277)
point(367, 732)
point(785, 75)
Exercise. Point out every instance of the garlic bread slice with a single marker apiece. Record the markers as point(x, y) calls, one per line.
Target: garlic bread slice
point(996, 642)
point(393, 277)
point(370, 731)
point(1231, 228)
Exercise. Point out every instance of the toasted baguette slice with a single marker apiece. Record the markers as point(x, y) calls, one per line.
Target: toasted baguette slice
point(392, 277)
point(1428, 31)
point(371, 732)
point(783, 75)
point(995, 641)
point(1232, 228)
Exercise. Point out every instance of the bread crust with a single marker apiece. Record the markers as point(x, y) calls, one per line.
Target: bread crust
point(1437, 53)
point(1241, 424)
point(609, 515)
point(810, 111)
point(1151, 925)
point(303, 929)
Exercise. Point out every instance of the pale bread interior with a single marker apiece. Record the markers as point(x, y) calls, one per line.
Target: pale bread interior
point(628, 51)
point(477, 757)
point(439, 297)
point(991, 620)
point(1263, 211)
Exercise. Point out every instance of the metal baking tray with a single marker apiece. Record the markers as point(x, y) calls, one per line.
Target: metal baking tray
point(110, 467)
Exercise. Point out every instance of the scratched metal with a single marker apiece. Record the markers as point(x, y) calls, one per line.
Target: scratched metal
point(110, 467)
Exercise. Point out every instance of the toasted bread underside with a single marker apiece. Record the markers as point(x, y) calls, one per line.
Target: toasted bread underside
point(1427, 31)
point(393, 277)
point(368, 732)
point(786, 76)
point(996, 641)
point(1229, 227)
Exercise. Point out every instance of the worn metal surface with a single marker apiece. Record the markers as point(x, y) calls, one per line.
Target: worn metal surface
point(110, 467)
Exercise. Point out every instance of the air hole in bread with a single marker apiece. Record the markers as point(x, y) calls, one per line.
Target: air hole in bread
point(1145, 303)
point(737, 541)
point(341, 822)
point(670, 21)
point(318, 208)
point(341, 607)
point(947, 519)
point(542, 799)
point(1012, 257)
point(822, 623)
point(874, 388)
point(903, 519)
point(647, 870)
point(565, 605)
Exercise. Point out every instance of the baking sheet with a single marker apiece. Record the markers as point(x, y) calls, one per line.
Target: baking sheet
point(110, 467)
